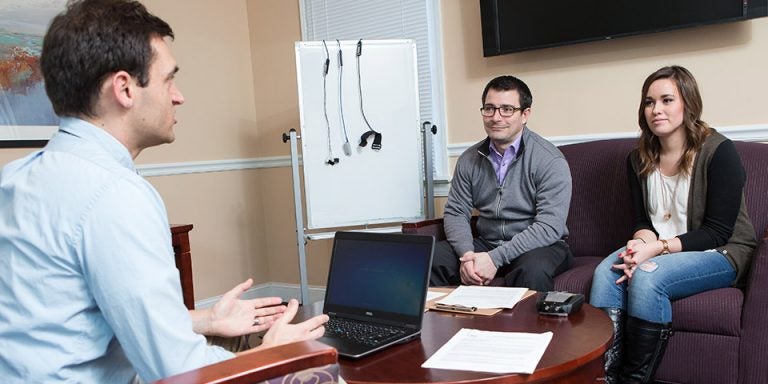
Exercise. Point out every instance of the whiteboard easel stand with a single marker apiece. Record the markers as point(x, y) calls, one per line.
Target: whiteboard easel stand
point(428, 177)
point(323, 193)
point(300, 239)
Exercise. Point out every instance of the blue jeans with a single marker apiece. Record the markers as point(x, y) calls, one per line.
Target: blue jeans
point(649, 294)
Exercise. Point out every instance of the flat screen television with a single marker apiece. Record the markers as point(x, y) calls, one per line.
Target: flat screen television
point(518, 25)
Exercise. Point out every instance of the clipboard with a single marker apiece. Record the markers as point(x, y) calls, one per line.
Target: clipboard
point(432, 304)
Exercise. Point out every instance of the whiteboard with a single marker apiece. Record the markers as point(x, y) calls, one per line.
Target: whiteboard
point(366, 187)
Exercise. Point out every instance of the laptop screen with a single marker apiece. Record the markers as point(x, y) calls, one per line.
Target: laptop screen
point(379, 275)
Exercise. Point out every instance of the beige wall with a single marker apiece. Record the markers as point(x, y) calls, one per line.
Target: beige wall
point(275, 27)
point(594, 87)
point(238, 77)
point(242, 70)
point(219, 119)
point(246, 83)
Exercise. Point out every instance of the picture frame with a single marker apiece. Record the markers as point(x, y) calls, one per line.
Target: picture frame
point(27, 118)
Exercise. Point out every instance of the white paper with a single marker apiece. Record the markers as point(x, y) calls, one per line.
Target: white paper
point(488, 351)
point(434, 295)
point(485, 297)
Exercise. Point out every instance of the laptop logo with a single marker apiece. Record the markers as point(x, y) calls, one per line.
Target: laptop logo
point(369, 313)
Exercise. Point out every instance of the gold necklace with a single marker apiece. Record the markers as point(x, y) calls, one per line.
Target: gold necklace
point(667, 208)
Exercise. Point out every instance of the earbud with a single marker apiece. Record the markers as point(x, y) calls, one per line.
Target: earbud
point(347, 148)
point(333, 161)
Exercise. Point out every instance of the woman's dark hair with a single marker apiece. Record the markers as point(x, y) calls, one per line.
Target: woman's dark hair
point(89, 41)
point(696, 130)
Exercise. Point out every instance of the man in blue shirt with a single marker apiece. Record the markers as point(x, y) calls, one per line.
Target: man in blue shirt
point(89, 291)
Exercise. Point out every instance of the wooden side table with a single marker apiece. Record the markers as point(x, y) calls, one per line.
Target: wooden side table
point(182, 252)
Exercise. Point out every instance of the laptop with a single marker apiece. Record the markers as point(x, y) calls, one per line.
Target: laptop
point(377, 286)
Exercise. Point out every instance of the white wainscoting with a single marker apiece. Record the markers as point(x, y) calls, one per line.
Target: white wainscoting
point(756, 132)
point(170, 169)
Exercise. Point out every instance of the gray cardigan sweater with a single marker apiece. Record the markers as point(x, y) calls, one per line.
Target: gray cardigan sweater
point(527, 212)
point(717, 215)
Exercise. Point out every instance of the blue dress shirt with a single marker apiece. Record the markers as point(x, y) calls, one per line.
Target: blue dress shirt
point(89, 292)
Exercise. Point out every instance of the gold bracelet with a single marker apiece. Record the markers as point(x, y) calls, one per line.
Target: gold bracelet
point(665, 251)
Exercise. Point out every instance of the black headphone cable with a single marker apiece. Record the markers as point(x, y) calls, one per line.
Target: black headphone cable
point(347, 146)
point(364, 137)
point(331, 159)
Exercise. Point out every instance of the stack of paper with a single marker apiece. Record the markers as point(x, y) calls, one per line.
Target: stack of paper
point(484, 297)
point(487, 351)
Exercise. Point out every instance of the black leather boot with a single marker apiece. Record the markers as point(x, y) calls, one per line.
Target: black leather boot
point(613, 356)
point(645, 343)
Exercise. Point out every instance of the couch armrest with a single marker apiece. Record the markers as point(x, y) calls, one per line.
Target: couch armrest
point(432, 227)
point(260, 365)
point(182, 253)
point(754, 337)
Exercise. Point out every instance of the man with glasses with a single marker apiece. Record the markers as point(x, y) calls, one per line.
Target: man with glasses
point(520, 186)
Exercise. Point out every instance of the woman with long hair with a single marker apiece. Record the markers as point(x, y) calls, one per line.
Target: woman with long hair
point(691, 228)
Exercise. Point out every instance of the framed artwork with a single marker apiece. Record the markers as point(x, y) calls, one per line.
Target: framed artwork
point(26, 115)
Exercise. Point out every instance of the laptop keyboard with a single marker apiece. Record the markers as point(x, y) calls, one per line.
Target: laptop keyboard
point(364, 333)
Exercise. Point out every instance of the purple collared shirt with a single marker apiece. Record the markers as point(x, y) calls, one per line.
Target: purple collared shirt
point(501, 162)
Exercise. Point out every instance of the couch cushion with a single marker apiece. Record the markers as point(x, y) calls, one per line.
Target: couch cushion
point(328, 374)
point(578, 279)
point(700, 358)
point(717, 312)
point(754, 157)
point(600, 215)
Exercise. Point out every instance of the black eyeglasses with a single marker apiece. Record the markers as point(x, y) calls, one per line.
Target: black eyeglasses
point(504, 110)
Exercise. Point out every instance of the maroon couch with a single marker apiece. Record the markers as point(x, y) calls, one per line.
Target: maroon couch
point(721, 336)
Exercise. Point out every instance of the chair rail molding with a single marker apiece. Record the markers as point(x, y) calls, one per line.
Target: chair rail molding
point(755, 132)
point(182, 168)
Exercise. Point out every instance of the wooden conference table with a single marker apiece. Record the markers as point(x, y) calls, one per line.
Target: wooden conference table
point(573, 356)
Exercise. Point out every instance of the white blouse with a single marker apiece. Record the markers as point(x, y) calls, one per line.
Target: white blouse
point(668, 203)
